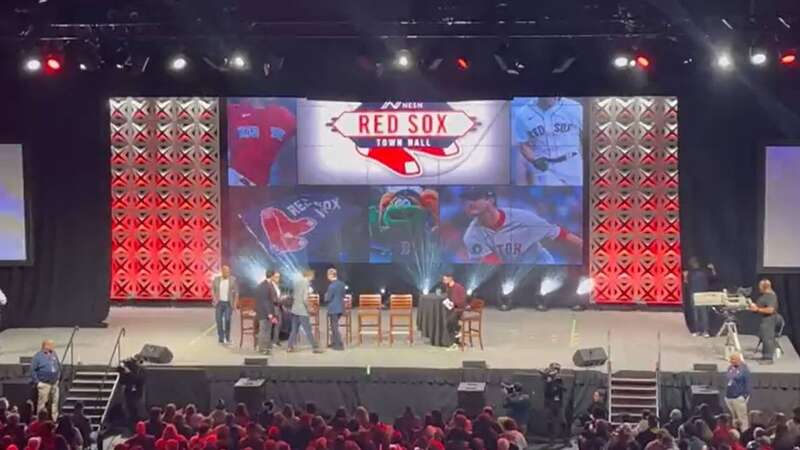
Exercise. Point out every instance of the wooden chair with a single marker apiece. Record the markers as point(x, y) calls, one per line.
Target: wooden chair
point(345, 321)
point(247, 313)
point(472, 323)
point(369, 316)
point(401, 319)
point(313, 314)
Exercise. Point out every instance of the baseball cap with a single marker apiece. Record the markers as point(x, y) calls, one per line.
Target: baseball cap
point(474, 193)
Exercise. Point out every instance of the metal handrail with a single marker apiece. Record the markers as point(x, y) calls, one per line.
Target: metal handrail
point(608, 368)
point(117, 351)
point(70, 348)
point(658, 377)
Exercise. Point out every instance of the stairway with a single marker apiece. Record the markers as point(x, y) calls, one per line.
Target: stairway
point(630, 394)
point(95, 392)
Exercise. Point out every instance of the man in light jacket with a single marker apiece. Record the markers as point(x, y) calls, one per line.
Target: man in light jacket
point(300, 311)
point(225, 297)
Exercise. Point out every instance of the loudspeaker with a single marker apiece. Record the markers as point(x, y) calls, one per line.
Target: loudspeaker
point(156, 354)
point(705, 367)
point(587, 357)
point(256, 361)
point(472, 397)
point(480, 364)
point(708, 395)
point(251, 392)
point(17, 390)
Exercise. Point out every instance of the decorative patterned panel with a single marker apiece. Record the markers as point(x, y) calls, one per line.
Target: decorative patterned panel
point(635, 251)
point(165, 197)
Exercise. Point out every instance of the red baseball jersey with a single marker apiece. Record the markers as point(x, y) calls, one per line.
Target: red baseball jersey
point(256, 135)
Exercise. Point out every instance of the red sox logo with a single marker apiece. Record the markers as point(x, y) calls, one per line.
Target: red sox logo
point(393, 133)
point(285, 235)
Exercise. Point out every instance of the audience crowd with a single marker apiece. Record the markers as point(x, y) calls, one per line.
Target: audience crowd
point(287, 428)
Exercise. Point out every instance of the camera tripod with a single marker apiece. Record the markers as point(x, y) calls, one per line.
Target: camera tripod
point(730, 330)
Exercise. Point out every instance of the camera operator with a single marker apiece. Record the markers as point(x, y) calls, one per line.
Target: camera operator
point(517, 405)
point(131, 377)
point(554, 401)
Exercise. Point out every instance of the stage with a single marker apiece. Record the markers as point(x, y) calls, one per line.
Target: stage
point(517, 339)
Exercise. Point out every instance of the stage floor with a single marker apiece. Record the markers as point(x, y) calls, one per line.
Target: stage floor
point(519, 339)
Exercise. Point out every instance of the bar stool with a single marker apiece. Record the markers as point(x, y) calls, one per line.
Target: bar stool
point(472, 323)
point(248, 321)
point(401, 319)
point(369, 316)
point(313, 314)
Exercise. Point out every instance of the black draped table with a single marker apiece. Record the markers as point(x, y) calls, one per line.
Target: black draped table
point(432, 320)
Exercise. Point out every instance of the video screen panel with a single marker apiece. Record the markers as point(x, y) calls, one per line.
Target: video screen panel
point(547, 141)
point(13, 224)
point(262, 141)
point(780, 245)
point(512, 225)
point(403, 143)
point(301, 224)
point(403, 222)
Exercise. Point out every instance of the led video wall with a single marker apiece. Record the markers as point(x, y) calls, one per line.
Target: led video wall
point(488, 182)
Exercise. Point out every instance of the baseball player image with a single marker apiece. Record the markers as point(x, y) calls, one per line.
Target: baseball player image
point(261, 138)
point(498, 235)
point(547, 140)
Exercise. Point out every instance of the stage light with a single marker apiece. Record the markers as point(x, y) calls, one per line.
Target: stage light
point(622, 61)
point(758, 57)
point(238, 61)
point(469, 291)
point(383, 291)
point(549, 285)
point(507, 287)
point(403, 59)
point(724, 61)
point(178, 63)
point(32, 64)
point(642, 61)
point(508, 59)
point(788, 57)
point(585, 286)
point(52, 64)
point(462, 63)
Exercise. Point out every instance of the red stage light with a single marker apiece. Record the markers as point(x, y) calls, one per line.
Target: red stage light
point(788, 58)
point(53, 64)
point(462, 63)
point(643, 61)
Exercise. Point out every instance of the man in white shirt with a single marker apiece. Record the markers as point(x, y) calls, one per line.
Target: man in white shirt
point(3, 302)
point(224, 296)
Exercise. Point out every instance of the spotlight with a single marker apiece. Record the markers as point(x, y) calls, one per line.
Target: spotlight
point(32, 64)
point(178, 63)
point(52, 64)
point(585, 286)
point(507, 287)
point(383, 291)
point(462, 63)
point(724, 61)
point(758, 57)
point(469, 291)
point(549, 285)
point(642, 61)
point(238, 61)
point(425, 291)
point(622, 61)
point(403, 59)
point(788, 57)
point(509, 60)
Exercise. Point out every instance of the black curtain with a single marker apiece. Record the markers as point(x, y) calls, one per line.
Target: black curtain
point(66, 156)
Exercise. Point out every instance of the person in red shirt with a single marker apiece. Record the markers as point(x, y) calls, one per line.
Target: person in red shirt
point(722, 433)
point(458, 297)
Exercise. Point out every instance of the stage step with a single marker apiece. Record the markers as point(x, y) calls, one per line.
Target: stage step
point(95, 390)
point(630, 396)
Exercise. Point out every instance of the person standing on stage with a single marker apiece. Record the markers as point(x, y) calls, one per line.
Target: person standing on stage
point(458, 298)
point(46, 374)
point(737, 391)
point(334, 299)
point(699, 279)
point(767, 307)
point(3, 302)
point(268, 293)
point(225, 297)
point(300, 312)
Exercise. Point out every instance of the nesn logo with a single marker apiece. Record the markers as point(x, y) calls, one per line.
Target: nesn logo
point(248, 132)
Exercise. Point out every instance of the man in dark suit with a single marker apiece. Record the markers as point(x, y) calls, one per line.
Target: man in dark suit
point(267, 296)
point(334, 299)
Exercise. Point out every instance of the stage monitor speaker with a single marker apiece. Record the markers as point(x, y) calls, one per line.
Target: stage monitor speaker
point(480, 364)
point(156, 354)
point(587, 357)
point(251, 392)
point(472, 397)
point(25, 360)
point(708, 395)
point(179, 385)
point(17, 390)
point(705, 367)
point(256, 362)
